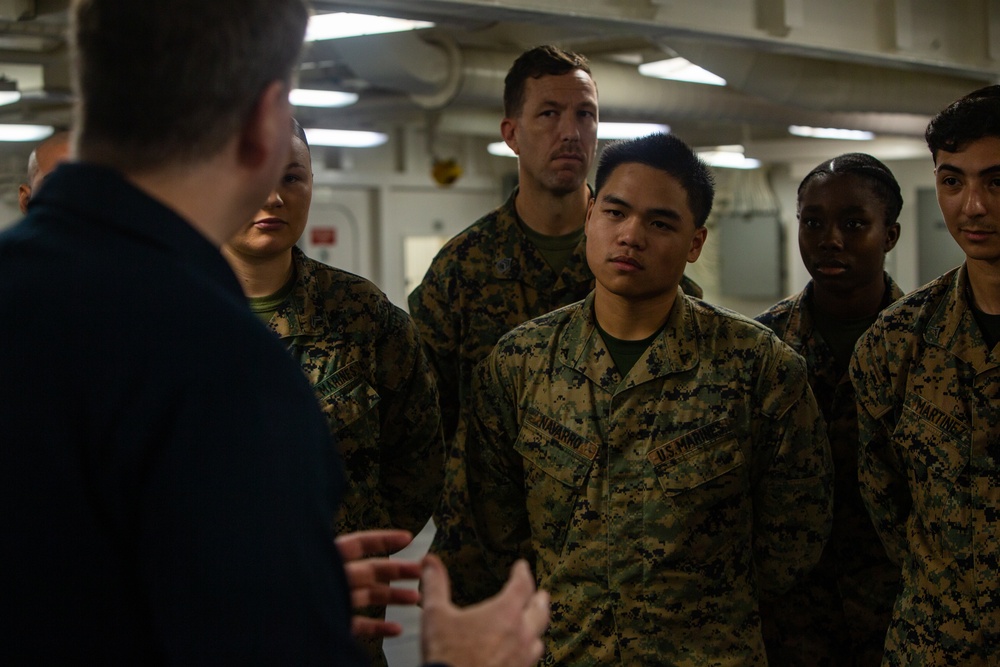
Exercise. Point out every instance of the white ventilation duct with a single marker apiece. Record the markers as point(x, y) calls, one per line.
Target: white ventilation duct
point(436, 75)
point(826, 85)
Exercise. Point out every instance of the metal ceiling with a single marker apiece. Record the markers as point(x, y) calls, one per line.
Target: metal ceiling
point(884, 65)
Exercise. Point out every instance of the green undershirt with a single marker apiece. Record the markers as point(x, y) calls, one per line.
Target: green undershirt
point(556, 250)
point(625, 353)
point(264, 307)
point(989, 326)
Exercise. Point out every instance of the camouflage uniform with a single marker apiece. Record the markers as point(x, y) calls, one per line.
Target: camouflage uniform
point(839, 614)
point(929, 414)
point(483, 283)
point(656, 507)
point(363, 356)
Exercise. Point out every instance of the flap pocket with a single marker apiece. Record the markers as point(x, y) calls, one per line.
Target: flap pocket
point(345, 395)
point(554, 449)
point(696, 458)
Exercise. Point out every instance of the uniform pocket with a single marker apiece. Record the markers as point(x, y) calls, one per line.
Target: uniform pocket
point(557, 462)
point(346, 396)
point(696, 458)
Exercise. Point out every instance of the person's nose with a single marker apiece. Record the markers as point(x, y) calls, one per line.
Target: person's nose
point(973, 205)
point(274, 200)
point(832, 239)
point(569, 127)
point(632, 232)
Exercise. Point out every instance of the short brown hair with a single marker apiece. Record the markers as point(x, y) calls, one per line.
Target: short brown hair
point(162, 82)
point(546, 60)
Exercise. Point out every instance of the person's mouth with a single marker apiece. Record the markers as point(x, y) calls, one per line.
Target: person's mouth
point(269, 224)
point(626, 262)
point(831, 268)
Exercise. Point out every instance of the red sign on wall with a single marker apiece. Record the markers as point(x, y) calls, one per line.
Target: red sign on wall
point(323, 235)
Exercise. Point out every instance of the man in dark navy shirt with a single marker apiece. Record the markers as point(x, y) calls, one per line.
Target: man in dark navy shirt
point(167, 482)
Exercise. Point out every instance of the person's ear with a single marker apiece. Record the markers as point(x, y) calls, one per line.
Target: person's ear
point(23, 196)
point(891, 236)
point(266, 133)
point(508, 130)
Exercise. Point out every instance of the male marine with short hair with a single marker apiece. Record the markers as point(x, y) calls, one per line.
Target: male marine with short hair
point(927, 376)
point(519, 261)
point(660, 460)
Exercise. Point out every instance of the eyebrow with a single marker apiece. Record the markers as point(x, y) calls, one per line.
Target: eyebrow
point(992, 169)
point(292, 165)
point(657, 212)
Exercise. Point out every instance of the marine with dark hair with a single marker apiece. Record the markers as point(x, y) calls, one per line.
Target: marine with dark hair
point(362, 356)
point(660, 460)
point(847, 208)
point(519, 261)
point(927, 377)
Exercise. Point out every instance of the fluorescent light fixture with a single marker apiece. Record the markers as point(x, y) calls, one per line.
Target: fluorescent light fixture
point(729, 157)
point(345, 138)
point(9, 97)
point(303, 97)
point(343, 24)
point(25, 132)
point(680, 69)
point(500, 149)
point(830, 133)
point(629, 130)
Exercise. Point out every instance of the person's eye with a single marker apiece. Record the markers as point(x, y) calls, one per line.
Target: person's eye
point(855, 224)
point(810, 223)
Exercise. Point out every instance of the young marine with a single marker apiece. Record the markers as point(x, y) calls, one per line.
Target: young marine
point(362, 356)
point(847, 210)
point(522, 260)
point(927, 377)
point(660, 460)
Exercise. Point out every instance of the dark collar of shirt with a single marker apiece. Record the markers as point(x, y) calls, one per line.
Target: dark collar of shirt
point(88, 194)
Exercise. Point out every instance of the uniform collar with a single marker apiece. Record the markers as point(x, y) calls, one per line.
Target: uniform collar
point(85, 191)
point(673, 351)
point(516, 258)
point(953, 326)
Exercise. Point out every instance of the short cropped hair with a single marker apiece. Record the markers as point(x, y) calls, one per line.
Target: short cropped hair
point(546, 60)
point(965, 120)
point(300, 133)
point(871, 170)
point(668, 154)
point(161, 82)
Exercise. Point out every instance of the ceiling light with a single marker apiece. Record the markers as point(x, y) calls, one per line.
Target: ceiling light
point(343, 24)
point(830, 133)
point(25, 132)
point(345, 138)
point(728, 157)
point(302, 97)
point(679, 69)
point(500, 149)
point(629, 130)
point(9, 97)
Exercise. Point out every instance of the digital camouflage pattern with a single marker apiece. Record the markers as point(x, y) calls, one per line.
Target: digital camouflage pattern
point(838, 615)
point(363, 356)
point(929, 414)
point(483, 283)
point(654, 508)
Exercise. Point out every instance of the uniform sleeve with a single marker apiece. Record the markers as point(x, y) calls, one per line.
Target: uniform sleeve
point(495, 473)
point(793, 499)
point(411, 445)
point(432, 307)
point(884, 487)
